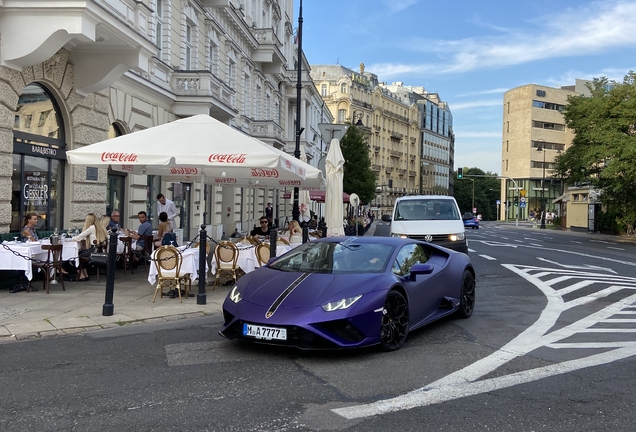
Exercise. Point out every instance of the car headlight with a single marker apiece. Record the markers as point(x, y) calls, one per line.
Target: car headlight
point(399, 235)
point(235, 295)
point(340, 304)
point(456, 237)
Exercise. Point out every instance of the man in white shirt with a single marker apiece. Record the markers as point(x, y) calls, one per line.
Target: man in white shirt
point(166, 205)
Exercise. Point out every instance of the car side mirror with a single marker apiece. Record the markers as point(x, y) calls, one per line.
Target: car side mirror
point(420, 269)
point(386, 218)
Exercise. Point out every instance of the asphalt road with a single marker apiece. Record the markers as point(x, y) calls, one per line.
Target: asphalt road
point(549, 348)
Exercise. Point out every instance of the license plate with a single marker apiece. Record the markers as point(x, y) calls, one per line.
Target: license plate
point(262, 332)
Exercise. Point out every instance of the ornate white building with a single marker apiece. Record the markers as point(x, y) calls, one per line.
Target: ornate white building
point(76, 72)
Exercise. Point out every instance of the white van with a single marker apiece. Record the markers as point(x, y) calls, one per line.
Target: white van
point(431, 218)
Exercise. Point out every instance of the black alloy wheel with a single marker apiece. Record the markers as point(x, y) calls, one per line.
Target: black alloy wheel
point(467, 295)
point(395, 321)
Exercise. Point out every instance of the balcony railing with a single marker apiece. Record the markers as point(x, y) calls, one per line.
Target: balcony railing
point(412, 173)
point(266, 129)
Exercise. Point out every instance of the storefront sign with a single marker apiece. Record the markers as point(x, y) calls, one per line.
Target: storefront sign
point(35, 191)
point(38, 150)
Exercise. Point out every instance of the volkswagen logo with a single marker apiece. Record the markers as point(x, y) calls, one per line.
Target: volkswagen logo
point(428, 238)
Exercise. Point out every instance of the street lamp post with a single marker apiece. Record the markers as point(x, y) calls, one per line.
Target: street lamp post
point(542, 149)
point(299, 90)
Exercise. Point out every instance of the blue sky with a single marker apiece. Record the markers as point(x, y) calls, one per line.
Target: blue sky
point(471, 52)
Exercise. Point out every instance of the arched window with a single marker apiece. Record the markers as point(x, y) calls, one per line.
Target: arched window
point(39, 152)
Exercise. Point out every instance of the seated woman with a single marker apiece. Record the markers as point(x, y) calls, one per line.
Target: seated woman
point(105, 221)
point(295, 232)
point(164, 228)
point(92, 231)
point(28, 232)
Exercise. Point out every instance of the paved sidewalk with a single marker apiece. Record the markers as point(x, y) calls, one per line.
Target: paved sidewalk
point(37, 314)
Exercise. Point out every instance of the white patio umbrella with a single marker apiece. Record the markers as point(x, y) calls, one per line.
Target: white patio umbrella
point(200, 147)
point(333, 197)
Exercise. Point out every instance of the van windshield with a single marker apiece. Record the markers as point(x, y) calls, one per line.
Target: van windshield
point(426, 209)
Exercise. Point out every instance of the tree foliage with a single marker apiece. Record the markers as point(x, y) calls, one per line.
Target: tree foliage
point(603, 151)
point(487, 192)
point(358, 176)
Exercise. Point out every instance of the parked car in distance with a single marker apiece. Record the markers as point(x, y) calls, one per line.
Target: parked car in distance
point(470, 221)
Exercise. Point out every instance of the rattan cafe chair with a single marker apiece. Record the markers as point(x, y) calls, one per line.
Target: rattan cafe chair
point(168, 263)
point(226, 255)
point(263, 253)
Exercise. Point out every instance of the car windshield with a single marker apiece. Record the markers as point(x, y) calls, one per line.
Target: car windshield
point(426, 209)
point(335, 258)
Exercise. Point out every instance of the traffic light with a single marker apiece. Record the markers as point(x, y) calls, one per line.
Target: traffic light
point(460, 173)
point(516, 201)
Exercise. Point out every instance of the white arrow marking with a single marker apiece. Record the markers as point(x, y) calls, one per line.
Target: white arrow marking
point(583, 267)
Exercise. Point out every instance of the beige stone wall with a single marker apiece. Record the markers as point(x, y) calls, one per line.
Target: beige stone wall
point(85, 122)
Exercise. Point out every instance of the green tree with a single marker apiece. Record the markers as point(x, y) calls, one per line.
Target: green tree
point(358, 176)
point(603, 151)
point(486, 188)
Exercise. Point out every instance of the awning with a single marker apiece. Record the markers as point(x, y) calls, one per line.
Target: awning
point(565, 198)
point(318, 196)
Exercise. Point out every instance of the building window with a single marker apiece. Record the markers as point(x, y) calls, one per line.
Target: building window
point(213, 58)
point(547, 125)
point(231, 73)
point(341, 115)
point(548, 145)
point(547, 105)
point(343, 88)
point(189, 46)
point(323, 90)
point(39, 156)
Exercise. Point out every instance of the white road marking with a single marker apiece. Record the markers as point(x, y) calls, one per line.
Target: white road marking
point(467, 381)
point(471, 250)
point(537, 245)
point(577, 242)
point(488, 257)
point(601, 241)
point(615, 248)
point(583, 267)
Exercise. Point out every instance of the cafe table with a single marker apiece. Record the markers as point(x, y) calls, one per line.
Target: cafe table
point(10, 261)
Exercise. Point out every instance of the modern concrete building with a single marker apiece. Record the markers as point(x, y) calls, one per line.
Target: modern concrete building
point(534, 133)
point(76, 72)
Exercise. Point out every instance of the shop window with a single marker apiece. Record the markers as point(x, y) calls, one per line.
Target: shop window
point(39, 154)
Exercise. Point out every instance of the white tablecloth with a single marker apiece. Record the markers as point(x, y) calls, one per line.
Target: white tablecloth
point(246, 261)
point(9, 261)
point(189, 264)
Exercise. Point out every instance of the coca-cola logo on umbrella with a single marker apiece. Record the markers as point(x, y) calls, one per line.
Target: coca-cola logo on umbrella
point(119, 157)
point(262, 172)
point(184, 170)
point(229, 158)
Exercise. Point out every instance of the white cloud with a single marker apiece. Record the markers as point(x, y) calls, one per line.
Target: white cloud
point(595, 28)
point(485, 92)
point(475, 104)
point(396, 6)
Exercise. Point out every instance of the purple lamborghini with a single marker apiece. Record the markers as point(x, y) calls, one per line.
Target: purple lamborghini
point(348, 292)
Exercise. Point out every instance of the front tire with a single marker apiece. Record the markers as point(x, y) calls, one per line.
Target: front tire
point(395, 321)
point(467, 295)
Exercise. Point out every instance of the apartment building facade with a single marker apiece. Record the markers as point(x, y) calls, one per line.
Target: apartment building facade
point(534, 133)
point(74, 72)
point(408, 130)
